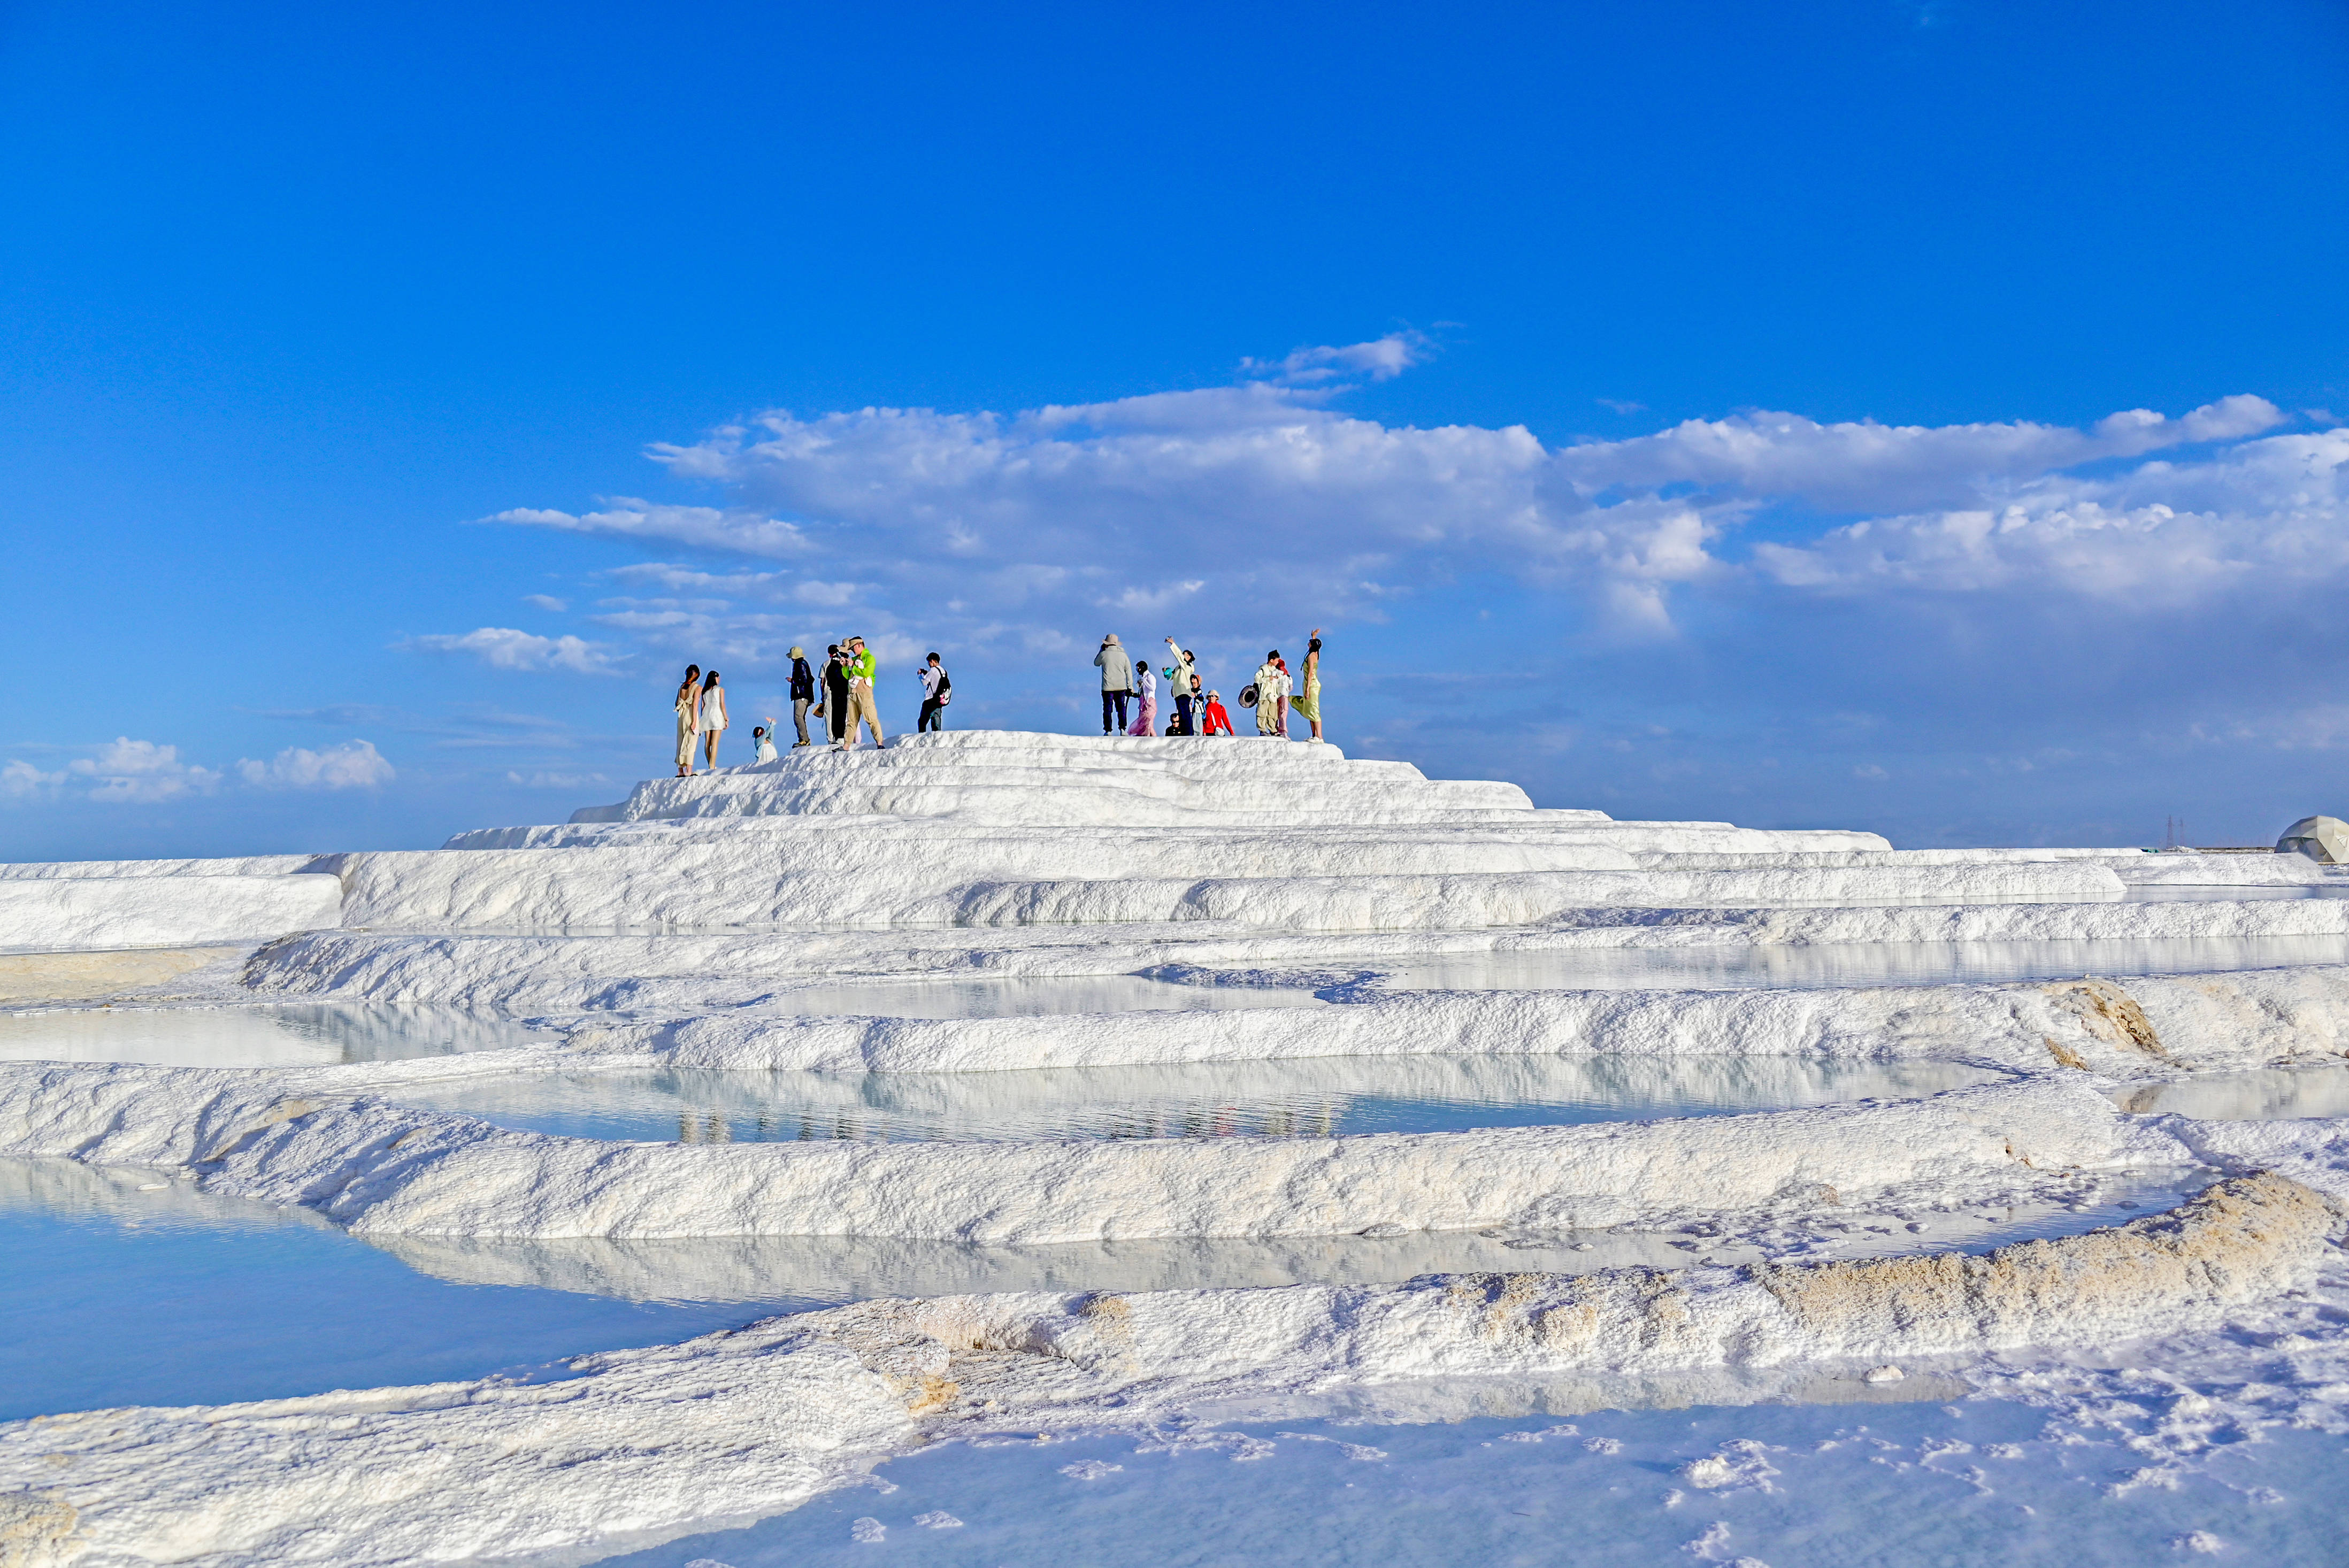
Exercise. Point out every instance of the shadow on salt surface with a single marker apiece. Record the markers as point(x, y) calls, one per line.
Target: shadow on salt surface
point(2269, 1094)
point(272, 1036)
point(1789, 1486)
point(1732, 967)
point(1312, 1098)
point(123, 1289)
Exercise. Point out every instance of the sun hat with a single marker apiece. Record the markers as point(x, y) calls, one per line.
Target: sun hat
point(798, 652)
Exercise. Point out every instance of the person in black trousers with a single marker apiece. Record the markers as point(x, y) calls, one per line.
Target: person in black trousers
point(937, 692)
point(803, 695)
point(835, 692)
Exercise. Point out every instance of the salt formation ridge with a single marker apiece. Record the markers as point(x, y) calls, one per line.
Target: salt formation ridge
point(737, 1424)
point(793, 917)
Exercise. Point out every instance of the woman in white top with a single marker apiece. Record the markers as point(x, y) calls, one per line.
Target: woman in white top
point(1271, 689)
point(688, 720)
point(713, 715)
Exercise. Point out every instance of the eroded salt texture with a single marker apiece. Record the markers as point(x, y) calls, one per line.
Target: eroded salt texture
point(644, 1445)
point(677, 927)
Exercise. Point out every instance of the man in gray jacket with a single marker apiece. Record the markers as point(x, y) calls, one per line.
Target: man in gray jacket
point(1117, 682)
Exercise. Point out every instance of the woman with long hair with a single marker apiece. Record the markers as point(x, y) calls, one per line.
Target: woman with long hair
point(688, 720)
point(1147, 721)
point(1307, 700)
point(713, 715)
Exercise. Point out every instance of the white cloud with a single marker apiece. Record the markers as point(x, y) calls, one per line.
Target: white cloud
point(1223, 504)
point(136, 772)
point(504, 648)
point(22, 780)
point(546, 601)
point(2264, 514)
point(545, 780)
point(1382, 359)
point(353, 764)
point(731, 530)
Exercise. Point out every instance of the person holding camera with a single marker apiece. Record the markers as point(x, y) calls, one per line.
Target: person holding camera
point(937, 691)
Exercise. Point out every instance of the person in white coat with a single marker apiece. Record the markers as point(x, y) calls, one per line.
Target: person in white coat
point(1271, 692)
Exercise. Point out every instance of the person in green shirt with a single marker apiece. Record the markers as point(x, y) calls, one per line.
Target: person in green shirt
point(861, 706)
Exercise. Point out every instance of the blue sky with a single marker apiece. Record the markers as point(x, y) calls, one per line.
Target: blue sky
point(1919, 416)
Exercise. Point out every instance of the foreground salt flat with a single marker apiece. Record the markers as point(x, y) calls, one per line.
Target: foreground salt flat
point(675, 928)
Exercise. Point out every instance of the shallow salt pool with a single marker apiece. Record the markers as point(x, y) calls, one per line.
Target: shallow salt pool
point(265, 1035)
point(2266, 1094)
point(112, 1295)
point(1911, 1483)
point(1316, 1098)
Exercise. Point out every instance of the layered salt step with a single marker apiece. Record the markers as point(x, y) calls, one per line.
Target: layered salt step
point(1320, 1097)
point(172, 909)
point(1009, 776)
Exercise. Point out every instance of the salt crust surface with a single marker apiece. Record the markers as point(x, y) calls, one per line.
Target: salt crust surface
point(737, 1424)
point(1006, 854)
point(76, 913)
point(381, 1168)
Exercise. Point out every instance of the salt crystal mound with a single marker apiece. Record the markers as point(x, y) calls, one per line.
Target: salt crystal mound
point(71, 913)
point(302, 1139)
point(733, 1426)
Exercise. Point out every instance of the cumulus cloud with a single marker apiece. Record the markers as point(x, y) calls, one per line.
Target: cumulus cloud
point(504, 648)
point(143, 773)
point(2266, 512)
point(136, 772)
point(353, 764)
point(1207, 506)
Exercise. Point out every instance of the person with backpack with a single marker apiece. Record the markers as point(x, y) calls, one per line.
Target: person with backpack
point(803, 698)
point(835, 692)
point(937, 690)
point(1117, 682)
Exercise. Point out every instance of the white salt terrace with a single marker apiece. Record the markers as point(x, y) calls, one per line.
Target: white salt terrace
point(1069, 1040)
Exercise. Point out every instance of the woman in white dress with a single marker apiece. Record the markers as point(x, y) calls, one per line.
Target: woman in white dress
point(713, 715)
point(688, 720)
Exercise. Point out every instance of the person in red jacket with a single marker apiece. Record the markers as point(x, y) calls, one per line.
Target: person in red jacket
point(1218, 721)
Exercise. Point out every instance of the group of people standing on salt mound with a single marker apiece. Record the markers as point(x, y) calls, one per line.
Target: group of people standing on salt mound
point(845, 699)
point(1198, 711)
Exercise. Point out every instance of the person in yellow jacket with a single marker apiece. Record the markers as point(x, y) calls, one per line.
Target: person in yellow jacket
point(861, 706)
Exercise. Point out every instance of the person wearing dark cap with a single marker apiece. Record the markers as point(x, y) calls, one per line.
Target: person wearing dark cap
point(836, 691)
point(802, 696)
